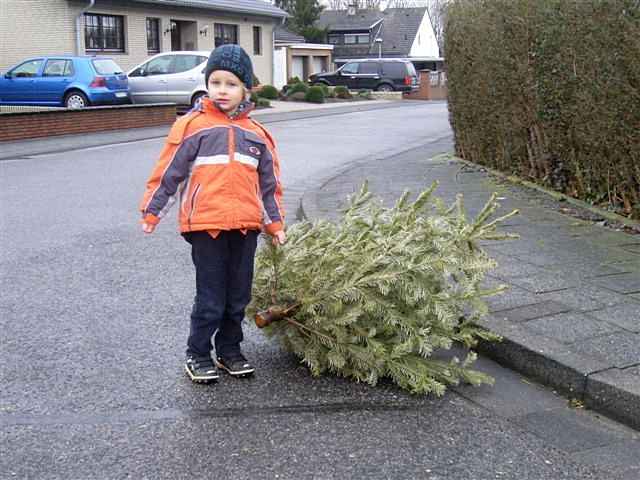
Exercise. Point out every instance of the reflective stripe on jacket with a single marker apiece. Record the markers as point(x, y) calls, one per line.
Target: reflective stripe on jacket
point(224, 171)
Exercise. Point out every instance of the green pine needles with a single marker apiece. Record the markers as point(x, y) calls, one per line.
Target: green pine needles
point(379, 293)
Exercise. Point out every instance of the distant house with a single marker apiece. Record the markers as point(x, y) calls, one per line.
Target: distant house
point(294, 57)
point(130, 31)
point(392, 33)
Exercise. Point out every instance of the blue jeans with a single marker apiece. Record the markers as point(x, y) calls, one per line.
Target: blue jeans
point(224, 274)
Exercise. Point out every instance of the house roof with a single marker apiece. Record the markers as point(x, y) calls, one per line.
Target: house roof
point(255, 7)
point(286, 36)
point(336, 20)
point(398, 30)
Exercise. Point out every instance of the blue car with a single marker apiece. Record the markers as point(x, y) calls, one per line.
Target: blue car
point(72, 82)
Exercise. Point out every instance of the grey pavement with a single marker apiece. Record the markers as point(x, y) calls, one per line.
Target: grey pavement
point(280, 112)
point(94, 315)
point(571, 317)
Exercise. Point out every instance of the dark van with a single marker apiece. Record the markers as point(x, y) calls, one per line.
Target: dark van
point(383, 75)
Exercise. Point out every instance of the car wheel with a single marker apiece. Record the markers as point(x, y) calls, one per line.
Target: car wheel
point(385, 87)
point(196, 99)
point(76, 100)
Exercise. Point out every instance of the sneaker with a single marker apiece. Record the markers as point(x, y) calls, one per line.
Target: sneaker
point(201, 369)
point(235, 365)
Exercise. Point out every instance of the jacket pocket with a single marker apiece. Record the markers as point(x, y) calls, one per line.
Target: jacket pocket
point(250, 149)
point(194, 199)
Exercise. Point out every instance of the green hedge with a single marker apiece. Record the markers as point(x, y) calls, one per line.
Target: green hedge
point(269, 92)
point(550, 90)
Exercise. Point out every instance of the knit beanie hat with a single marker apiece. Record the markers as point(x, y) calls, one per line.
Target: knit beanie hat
point(231, 58)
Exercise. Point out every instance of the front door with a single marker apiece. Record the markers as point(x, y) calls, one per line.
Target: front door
point(149, 83)
point(348, 75)
point(18, 85)
point(176, 37)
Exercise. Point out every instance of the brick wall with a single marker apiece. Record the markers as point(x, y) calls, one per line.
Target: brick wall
point(23, 125)
point(431, 88)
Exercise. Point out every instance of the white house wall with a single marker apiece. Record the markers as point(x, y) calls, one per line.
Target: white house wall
point(425, 44)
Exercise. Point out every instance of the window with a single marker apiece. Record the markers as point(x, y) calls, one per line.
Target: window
point(257, 40)
point(350, 69)
point(368, 68)
point(359, 38)
point(335, 39)
point(106, 66)
point(159, 66)
point(104, 33)
point(225, 33)
point(186, 62)
point(58, 68)
point(153, 35)
point(393, 69)
point(27, 69)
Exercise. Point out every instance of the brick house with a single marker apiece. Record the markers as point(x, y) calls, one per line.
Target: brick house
point(294, 57)
point(130, 31)
point(391, 33)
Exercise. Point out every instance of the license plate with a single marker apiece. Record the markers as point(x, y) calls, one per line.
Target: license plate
point(121, 94)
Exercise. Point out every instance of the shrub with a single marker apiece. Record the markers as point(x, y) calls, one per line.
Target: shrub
point(315, 95)
point(254, 98)
point(263, 102)
point(297, 87)
point(342, 92)
point(549, 99)
point(293, 80)
point(324, 87)
point(268, 91)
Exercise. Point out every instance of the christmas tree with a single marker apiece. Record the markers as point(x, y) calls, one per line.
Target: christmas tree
point(378, 293)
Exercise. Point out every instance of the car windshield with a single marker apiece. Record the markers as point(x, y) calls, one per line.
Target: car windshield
point(106, 66)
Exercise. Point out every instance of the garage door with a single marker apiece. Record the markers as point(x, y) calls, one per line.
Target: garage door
point(297, 68)
point(318, 65)
point(279, 67)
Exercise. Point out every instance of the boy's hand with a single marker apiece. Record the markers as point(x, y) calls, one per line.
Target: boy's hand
point(279, 238)
point(148, 227)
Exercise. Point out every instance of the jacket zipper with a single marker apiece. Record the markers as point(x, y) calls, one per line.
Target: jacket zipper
point(194, 195)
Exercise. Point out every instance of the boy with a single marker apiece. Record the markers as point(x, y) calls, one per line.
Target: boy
point(225, 168)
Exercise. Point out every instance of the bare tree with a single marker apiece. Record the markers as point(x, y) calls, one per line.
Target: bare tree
point(337, 4)
point(400, 4)
point(360, 4)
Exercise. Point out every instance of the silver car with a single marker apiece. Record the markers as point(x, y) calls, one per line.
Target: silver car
point(175, 77)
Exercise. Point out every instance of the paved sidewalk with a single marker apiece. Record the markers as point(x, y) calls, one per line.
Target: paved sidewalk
point(571, 317)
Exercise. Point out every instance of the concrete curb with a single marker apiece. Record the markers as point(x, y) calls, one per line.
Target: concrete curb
point(612, 392)
point(553, 194)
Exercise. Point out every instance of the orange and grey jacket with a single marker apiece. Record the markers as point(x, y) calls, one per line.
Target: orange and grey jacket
point(225, 170)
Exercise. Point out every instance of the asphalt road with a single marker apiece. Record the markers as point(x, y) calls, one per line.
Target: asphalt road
point(94, 318)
